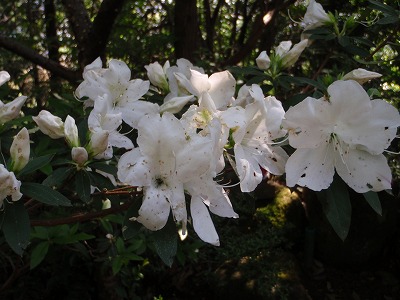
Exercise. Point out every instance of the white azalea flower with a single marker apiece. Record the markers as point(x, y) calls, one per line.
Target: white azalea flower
point(166, 159)
point(219, 86)
point(182, 71)
point(290, 55)
point(157, 75)
point(122, 93)
point(315, 16)
point(11, 110)
point(100, 120)
point(254, 138)
point(348, 133)
point(9, 185)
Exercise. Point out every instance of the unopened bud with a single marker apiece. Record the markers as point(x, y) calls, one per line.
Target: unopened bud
point(361, 75)
point(71, 132)
point(98, 142)
point(49, 124)
point(263, 61)
point(20, 150)
point(11, 110)
point(79, 155)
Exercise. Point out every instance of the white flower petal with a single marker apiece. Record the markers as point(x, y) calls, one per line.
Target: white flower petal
point(364, 172)
point(309, 123)
point(155, 209)
point(137, 110)
point(175, 104)
point(133, 169)
point(272, 159)
point(202, 223)
point(4, 77)
point(222, 89)
point(375, 131)
point(249, 171)
point(312, 168)
point(120, 69)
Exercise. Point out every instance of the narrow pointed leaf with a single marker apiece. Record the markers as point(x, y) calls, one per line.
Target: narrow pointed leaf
point(39, 253)
point(373, 200)
point(82, 185)
point(36, 164)
point(44, 194)
point(166, 242)
point(16, 226)
point(337, 207)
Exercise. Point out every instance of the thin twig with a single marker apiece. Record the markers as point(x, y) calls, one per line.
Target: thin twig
point(82, 217)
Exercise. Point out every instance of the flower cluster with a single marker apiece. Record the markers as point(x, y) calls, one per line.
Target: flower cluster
point(19, 150)
point(205, 123)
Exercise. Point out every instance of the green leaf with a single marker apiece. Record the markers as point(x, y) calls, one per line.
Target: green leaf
point(44, 194)
point(72, 238)
point(373, 200)
point(39, 253)
point(102, 166)
point(166, 242)
point(58, 176)
point(16, 226)
point(383, 7)
point(337, 207)
point(82, 185)
point(36, 163)
point(388, 20)
point(117, 263)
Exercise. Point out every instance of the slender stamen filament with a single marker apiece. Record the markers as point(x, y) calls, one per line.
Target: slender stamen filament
point(391, 152)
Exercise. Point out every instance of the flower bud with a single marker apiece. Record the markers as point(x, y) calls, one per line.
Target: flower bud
point(263, 61)
point(293, 55)
point(20, 150)
point(361, 75)
point(49, 124)
point(157, 75)
point(71, 132)
point(9, 185)
point(315, 16)
point(98, 142)
point(283, 48)
point(11, 110)
point(79, 155)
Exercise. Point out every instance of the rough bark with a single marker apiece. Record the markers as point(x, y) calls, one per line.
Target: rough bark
point(186, 29)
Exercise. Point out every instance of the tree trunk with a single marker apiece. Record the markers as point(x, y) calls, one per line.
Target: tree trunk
point(186, 29)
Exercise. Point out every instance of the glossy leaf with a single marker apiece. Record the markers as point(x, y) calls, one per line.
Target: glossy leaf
point(36, 164)
point(44, 194)
point(82, 185)
point(16, 226)
point(373, 200)
point(337, 207)
point(39, 253)
point(166, 242)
